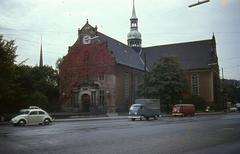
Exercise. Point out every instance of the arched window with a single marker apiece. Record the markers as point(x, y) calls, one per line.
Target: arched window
point(195, 83)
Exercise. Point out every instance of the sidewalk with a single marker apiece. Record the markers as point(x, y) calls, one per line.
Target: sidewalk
point(110, 116)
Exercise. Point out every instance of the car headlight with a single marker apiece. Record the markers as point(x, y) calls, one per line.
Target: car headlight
point(135, 113)
point(14, 120)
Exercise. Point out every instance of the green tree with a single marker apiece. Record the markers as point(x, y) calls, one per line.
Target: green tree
point(167, 81)
point(45, 80)
point(9, 74)
point(39, 99)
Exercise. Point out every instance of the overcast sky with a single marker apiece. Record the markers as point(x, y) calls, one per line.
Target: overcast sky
point(160, 22)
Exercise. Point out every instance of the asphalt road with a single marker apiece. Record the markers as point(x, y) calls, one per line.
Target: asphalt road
point(199, 134)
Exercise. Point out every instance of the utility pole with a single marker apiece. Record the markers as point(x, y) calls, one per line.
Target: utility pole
point(199, 3)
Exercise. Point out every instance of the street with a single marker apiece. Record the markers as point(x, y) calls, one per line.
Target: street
point(218, 133)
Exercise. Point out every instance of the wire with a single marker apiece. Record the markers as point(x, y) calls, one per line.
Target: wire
point(36, 42)
point(34, 30)
point(229, 59)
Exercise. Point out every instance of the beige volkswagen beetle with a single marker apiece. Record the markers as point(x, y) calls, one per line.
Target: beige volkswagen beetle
point(32, 116)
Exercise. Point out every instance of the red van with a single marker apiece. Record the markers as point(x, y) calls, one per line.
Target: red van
point(183, 110)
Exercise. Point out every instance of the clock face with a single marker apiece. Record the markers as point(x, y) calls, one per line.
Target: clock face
point(86, 39)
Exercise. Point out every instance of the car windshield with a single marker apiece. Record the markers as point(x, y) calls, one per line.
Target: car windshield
point(25, 112)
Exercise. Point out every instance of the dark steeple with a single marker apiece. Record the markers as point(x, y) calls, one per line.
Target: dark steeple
point(41, 58)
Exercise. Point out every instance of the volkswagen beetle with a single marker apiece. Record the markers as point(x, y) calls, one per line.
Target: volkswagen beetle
point(32, 116)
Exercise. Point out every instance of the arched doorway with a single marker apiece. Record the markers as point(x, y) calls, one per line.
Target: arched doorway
point(86, 103)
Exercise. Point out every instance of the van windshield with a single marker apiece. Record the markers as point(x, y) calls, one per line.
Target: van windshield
point(135, 107)
point(176, 107)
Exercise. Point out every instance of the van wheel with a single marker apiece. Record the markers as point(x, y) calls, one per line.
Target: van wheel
point(183, 115)
point(142, 117)
point(133, 119)
point(155, 117)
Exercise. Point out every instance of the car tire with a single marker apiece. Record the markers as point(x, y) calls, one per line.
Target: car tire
point(21, 123)
point(155, 117)
point(46, 122)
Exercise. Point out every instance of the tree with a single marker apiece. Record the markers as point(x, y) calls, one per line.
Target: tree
point(8, 73)
point(58, 63)
point(45, 80)
point(167, 80)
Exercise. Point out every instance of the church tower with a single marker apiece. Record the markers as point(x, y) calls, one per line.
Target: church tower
point(134, 37)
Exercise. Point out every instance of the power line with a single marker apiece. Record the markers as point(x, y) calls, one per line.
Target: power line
point(229, 59)
point(36, 42)
point(34, 30)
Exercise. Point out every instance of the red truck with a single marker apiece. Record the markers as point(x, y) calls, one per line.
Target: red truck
point(183, 110)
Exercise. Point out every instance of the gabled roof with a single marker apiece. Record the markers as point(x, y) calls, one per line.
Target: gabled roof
point(124, 54)
point(193, 55)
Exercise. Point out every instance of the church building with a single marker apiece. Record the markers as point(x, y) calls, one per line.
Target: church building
point(100, 73)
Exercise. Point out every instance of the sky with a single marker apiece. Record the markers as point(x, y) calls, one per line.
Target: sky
point(160, 22)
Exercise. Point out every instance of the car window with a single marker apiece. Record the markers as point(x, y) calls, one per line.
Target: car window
point(33, 113)
point(41, 112)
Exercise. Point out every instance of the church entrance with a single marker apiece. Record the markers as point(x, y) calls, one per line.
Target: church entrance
point(86, 103)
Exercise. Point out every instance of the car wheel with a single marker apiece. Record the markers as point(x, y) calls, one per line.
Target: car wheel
point(142, 117)
point(133, 119)
point(183, 114)
point(21, 123)
point(155, 117)
point(46, 122)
